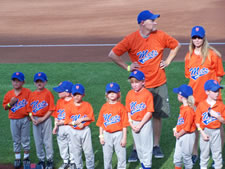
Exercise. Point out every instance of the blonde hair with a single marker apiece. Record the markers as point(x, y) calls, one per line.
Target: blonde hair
point(118, 98)
point(191, 101)
point(204, 50)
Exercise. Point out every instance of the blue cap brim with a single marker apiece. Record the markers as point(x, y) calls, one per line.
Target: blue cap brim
point(17, 78)
point(39, 78)
point(216, 88)
point(58, 89)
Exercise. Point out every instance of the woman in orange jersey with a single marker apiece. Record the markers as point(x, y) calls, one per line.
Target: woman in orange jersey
point(113, 122)
point(202, 62)
point(185, 128)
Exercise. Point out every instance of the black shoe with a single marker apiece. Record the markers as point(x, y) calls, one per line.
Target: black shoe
point(49, 164)
point(194, 159)
point(133, 157)
point(72, 166)
point(26, 162)
point(157, 152)
point(41, 165)
point(17, 163)
point(64, 166)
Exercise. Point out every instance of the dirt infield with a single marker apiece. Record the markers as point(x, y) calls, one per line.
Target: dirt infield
point(97, 22)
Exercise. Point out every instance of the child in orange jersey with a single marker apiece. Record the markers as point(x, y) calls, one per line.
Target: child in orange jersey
point(210, 114)
point(113, 122)
point(185, 128)
point(79, 114)
point(15, 101)
point(139, 104)
point(64, 90)
point(41, 105)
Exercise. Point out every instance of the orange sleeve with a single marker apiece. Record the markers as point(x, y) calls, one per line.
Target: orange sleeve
point(121, 47)
point(6, 100)
point(128, 102)
point(51, 102)
point(186, 66)
point(125, 117)
point(188, 121)
point(100, 117)
point(219, 68)
point(150, 104)
point(198, 114)
point(171, 42)
point(54, 114)
point(68, 112)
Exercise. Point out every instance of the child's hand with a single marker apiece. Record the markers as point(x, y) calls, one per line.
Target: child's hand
point(102, 142)
point(40, 120)
point(81, 125)
point(214, 114)
point(123, 142)
point(79, 120)
point(137, 128)
point(205, 137)
point(13, 101)
point(55, 129)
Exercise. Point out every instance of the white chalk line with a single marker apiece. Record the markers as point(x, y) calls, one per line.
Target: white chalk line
point(80, 45)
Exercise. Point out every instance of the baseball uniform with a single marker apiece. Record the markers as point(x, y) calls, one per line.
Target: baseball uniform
point(211, 127)
point(113, 118)
point(81, 137)
point(63, 138)
point(199, 73)
point(19, 123)
point(138, 104)
point(184, 145)
point(40, 102)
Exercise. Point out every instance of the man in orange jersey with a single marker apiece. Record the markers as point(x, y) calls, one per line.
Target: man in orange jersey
point(15, 101)
point(145, 48)
point(41, 105)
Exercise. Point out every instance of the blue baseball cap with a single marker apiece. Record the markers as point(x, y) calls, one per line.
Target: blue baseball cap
point(212, 85)
point(198, 31)
point(64, 86)
point(184, 90)
point(139, 75)
point(18, 75)
point(40, 76)
point(112, 87)
point(78, 88)
point(144, 15)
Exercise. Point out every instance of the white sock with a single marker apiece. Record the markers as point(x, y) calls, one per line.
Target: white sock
point(26, 155)
point(17, 156)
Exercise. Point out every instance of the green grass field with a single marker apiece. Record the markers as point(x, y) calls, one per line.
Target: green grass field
point(94, 77)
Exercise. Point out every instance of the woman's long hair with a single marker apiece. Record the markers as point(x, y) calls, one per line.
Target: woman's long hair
point(204, 50)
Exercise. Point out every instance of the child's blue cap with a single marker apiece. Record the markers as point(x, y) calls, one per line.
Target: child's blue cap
point(78, 88)
point(112, 87)
point(198, 31)
point(40, 76)
point(144, 15)
point(212, 85)
point(137, 74)
point(18, 75)
point(184, 90)
point(64, 86)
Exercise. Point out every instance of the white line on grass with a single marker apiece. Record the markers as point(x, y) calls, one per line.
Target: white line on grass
point(80, 45)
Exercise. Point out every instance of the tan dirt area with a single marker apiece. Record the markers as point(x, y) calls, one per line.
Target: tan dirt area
point(53, 22)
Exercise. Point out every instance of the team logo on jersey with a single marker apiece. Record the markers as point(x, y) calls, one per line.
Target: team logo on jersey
point(61, 114)
point(109, 119)
point(36, 106)
point(134, 107)
point(180, 120)
point(145, 55)
point(206, 118)
point(76, 117)
point(19, 105)
point(196, 72)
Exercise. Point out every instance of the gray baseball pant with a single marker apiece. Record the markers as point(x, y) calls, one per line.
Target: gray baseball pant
point(113, 140)
point(214, 144)
point(43, 137)
point(183, 150)
point(81, 140)
point(20, 130)
point(64, 143)
point(144, 143)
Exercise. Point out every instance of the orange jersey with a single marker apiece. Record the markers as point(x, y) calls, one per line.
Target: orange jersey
point(60, 111)
point(186, 119)
point(139, 103)
point(19, 109)
point(148, 52)
point(74, 112)
point(199, 73)
point(40, 102)
point(204, 119)
point(113, 117)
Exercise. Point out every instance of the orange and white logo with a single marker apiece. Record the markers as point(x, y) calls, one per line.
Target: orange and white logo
point(111, 85)
point(39, 74)
point(77, 87)
point(17, 73)
point(197, 29)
